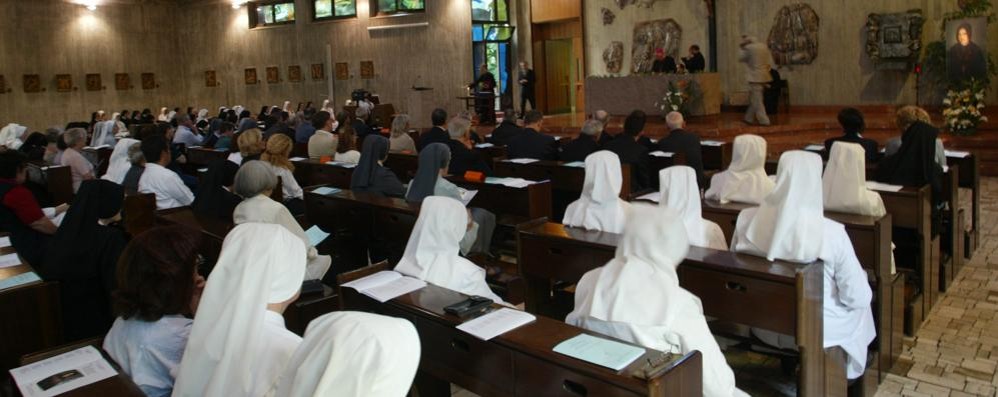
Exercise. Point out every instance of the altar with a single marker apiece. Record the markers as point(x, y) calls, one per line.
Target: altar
point(622, 94)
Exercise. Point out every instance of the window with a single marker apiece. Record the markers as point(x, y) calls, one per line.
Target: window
point(491, 38)
point(334, 9)
point(489, 11)
point(389, 7)
point(272, 13)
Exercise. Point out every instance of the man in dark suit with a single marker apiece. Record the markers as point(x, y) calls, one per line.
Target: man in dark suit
point(506, 130)
point(853, 124)
point(630, 151)
point(462, 157)
point(359, 123)
point(526, 80)
point(531, 144)
point(682, 141)
point(584, 145)
point(437, 134)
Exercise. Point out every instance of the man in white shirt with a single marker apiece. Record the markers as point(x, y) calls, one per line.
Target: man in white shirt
point(323, 142)
point(169, 189)
point(185, 131)
point(758, 61)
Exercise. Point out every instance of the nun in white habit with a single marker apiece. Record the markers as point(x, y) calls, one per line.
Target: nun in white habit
point(636, 297)
point(680, 193)
point(104, 134)
point(163, 117)
point(353, 354)
point(10, 136)
point(600, 206)
point(118, 165)
point(239, 345)
point(432, 253)
point(790, 225)
point(844, 182)
point(745, 180)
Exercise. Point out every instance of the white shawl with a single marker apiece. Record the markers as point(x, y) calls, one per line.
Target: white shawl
point(844, 182)
point(10, 136)
point(599, 207)
point(680, 193)
point(118, 164)
point(432, 253)
point(745, 180)
point(353, 354)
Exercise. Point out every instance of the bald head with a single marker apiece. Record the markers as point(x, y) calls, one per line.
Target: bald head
point(674, 120)
point(602, 117)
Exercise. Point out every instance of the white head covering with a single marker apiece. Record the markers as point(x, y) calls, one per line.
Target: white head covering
point(599, 207)
point(10, 136)
point(118, 165)
point(286, 105)
point(745, 180)
point(202, 115)
point(637, 296)
point(170, 116)
point(789, 223)
point(122, 128)
point(432, 253)
point(680, 193)
point(259, 264)
point(325, 107)
point(162, 115)
point(103, 133)
point(844, 182)
point(238, 109)
point(353, 354)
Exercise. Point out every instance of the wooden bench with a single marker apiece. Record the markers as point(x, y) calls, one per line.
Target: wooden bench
point(118, 385)
point(313, 172)
point(201, 157)
point(33, 315)
point(57, 180)
point(778, 296)
point(716, 157)
point(100, 156)
point(520, 362)
point(911, 208)
point(566, 181)
point(403, 165)
point(970, 178)
point(512, 206)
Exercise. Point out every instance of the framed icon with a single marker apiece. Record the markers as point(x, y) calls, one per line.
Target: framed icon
point(367, 69)
point(32, 83)
point(64, 82)
point(94, 82)
point(250, 76)
point(294, 73)
point(342, 71)
point(122, 82)
point(210, 79)
point(318, 71)
point(148, 81)
point(273, 75)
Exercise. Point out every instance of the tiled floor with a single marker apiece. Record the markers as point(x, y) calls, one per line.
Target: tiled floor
point(955, 353)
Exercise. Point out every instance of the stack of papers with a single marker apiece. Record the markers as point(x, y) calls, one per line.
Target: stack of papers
point(496, 323)
point(578, 164)
point(522, 161)
point(712, 143)
point(297, 159)
point(599, 351)
point(385, 285)
point(511, 182)
point(653, 196)
point(467, 195)
point(815, 148)
point(957, 154)
point(342, 164)
point(883, 187)
point(659, 153)
point(62, 373)
point(9, 260)
point(325, 190)
point(484, 145)
point(18, 280)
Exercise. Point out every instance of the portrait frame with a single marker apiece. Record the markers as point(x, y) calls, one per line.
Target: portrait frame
point(122, 81)
point(342, 71)
point(294, 73)
point(32, 83)
point(93, 81)
point(148, 81)
point(318, 71)
point(249, 76)
point(964, 62)
point(273, 75)
point(367, 69)
point(64, 83)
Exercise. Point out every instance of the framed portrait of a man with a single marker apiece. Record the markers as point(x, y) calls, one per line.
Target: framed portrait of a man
point(966, 49)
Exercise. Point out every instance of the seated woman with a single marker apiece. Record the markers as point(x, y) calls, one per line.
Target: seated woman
point(371, 175)
point(600, 206)
point(680, 193)
point(434, 161)
point(401, 142)
point(118, 164)
point(238, 344)
point(844, 182)
point(904, 119)
point(214, 197)
point(251, 146)
point(432, 253)
point(137, 161)
point(84, 257)
point(745, 180)
point(276, 155)
point(150, 333)
point(790, 225)
point(637, 297)
point(20, 214)
point(346, 149)
point(255, 182)
point(353, 354)
point(914, 162)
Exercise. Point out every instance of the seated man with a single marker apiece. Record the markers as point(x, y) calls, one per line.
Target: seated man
point(633, 152)
point(531, 144)
point(437, 134)
point(20, 213)
point(305, 130)
point(463, 157)
point(323, 142)
point(507, 129)
point(169, 189)
point(583, 145)
point(359, 123)
point(853, 124)
point(681, 141)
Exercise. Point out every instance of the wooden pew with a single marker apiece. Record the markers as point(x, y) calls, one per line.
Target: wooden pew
point(911, 208)
point(512, 206)
point(32, 313)
point(520, 362)
point(100, 156)
point(118, 385)
point(716, 157)
point(566, 181)
point(403, 165)
point(201, 157)
point(778, 296)
point(313, 172)
point(57, 180)
point(953, 231)
point(138, 212)
point(970, 178)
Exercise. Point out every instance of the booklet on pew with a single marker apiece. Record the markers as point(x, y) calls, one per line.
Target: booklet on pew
point(19, 280)
point(577, 164)
point(521, 161)
point(659, 153)
point(511, 182)
point(62, 373)
point(599, 351)
point(342, 164)
point(325, 190)
point(297, 159)
point(385, 285)
point(467, 195)
point(9, 260)
point(815, 148)
point(316, 235)
point(957, 154)
point(5, 241)
point(883, 187)
point(496, 323)
point(484, 145)
point(711, 143)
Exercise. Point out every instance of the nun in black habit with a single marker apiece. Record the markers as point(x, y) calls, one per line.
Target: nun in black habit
point(370, 175)
point(214, 196)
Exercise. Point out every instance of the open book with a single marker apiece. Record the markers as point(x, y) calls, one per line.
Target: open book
point(385, 285)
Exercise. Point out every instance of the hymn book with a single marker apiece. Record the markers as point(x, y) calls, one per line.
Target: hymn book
point(62, 373)
point(385, 285)
point(599, 351)
point(496, 323)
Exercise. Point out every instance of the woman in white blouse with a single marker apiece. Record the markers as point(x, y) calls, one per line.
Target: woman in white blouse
point(276, 155)
point(346, 149)
point(401, 142)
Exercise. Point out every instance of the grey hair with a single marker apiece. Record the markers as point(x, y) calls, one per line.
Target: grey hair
point(399, 125)
point(591, 127)
point(674, 120)
point(458, 127)
point(362, 112)
point(74, 136)
point(253, 178)
point(135, 155)
point(182, 118)
point(52, 134)
point(602, 117)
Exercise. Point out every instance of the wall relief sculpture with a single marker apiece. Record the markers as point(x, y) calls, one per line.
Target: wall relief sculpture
point(661, 33)
point(608, 16)
point(893, 41)
point(613, 57)
point(623, 3)
point(794, 36)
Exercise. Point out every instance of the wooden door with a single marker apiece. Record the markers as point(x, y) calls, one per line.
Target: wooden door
point(559, 64)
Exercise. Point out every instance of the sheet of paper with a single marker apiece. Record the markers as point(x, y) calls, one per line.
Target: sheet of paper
point(203, 169)
point(315, 235)
point(496, 323)
point(659, 153)
point(342, 164)
point(577, 164)
point(62, 373)
point(815, 148)
point(220, 150)
point(957, 154)
point(386, 292)
point(653, 140)
point(653, 196)
point(484, 145)
point(9, 260)
point(523, 161)
point(57, 220)
point(511, 182)
point(467, 196)
point(599, 351)
point(558, 137)
point(711, 143)
point(4, 241)
point(883, 187)
point(325, 190)
point(297, 159)
point(374, 280)
point(20, 279)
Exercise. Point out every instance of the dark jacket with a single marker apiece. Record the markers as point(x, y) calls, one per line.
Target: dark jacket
point(579, 148)
point(531, 144)
point(687, 143)
point(695, 64)
point(360, 129)
point(463, 160)
point(635, 154)
point(869, 145)
point(506, 131)
point(436, 134)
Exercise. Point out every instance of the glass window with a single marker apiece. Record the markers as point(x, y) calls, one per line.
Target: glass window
point(272, 13)
point(489, 11)
point(332, 9)
point(388, 7)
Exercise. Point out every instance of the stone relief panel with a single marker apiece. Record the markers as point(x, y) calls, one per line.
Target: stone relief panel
point(893, 41)
point(661, 33)
point(794, 36)
point(613, 57)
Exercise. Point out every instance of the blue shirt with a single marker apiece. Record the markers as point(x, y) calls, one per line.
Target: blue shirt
point(149, 352)
point(304, 132)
